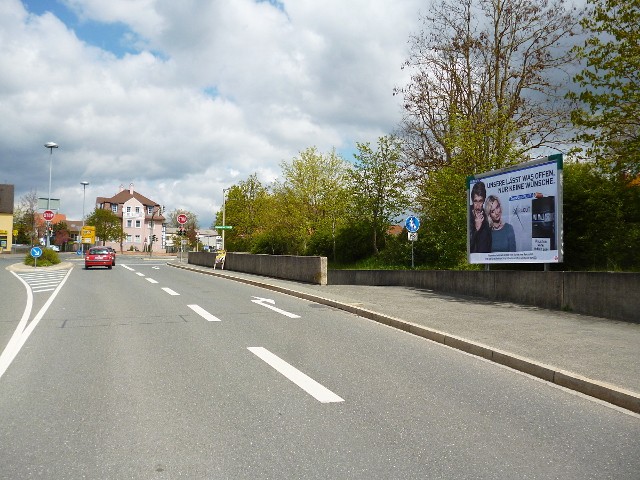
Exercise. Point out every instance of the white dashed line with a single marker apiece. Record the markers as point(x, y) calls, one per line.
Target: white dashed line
point(169, 291)
point(309, 385)
point(203, 313)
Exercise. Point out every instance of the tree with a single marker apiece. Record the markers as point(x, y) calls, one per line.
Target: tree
point(61, 233)
point(376, 185)
point(25, 218)
point(488, 62)
point(245, 209)
point(310, 196)
point(108, 225)
point(610, 85)
point(601, 220)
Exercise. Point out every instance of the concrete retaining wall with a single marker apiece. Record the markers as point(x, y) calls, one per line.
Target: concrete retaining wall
point(289, 267)
point(602, 294)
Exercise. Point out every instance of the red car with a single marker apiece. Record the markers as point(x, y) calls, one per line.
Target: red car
point(98, 257)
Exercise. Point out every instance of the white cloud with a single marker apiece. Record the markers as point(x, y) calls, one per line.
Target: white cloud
point(310, 74)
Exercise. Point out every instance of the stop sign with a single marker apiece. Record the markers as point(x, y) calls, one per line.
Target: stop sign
point(182, 219)
point(48, 215)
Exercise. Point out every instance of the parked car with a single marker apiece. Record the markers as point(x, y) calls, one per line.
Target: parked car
point(98, 257)
point(113, 254)
point(55, 248)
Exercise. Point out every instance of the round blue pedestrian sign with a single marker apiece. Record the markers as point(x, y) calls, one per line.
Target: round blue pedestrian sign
point(36, 252)
point(412, 224)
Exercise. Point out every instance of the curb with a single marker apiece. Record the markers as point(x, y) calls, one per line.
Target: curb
point(21, 267)
point(609, 393)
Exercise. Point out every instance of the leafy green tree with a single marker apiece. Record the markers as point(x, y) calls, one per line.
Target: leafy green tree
point(601, 220)
point(377, 188)
point(311, 197)
point(610, 83)
point(245, 210)
point(108, 225)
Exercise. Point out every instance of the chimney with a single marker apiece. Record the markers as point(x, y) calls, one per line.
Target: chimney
point(121, 188)
point(131, 188)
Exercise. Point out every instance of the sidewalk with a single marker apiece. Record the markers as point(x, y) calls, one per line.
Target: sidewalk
point(595, 356)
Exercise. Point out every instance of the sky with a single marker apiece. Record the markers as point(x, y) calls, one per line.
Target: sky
point(185, 98)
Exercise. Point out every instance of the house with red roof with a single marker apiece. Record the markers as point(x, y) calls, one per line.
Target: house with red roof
point(142, 220)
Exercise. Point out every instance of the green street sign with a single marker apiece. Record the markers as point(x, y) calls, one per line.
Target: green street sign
point(223, 227)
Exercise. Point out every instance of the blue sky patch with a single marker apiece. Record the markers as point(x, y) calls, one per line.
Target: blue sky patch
point(116, 38)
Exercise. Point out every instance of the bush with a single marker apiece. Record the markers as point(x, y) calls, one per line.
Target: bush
point(48, 258)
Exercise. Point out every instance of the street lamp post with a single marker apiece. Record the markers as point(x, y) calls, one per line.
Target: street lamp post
point(224, 211)
point(84, 184)
point(50, 146)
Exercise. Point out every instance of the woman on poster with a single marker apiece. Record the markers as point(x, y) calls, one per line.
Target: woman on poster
point(503, 238)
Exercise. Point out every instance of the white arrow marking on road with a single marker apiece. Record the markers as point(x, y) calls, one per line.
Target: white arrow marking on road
point(308, 384)
point(156, 268)
point(203, 313)
point(267, 302)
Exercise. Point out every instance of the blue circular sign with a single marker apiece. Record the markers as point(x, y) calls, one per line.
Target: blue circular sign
point(36, 252)
point(412, 224)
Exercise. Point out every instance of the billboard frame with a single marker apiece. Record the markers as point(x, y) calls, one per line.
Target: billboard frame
point(531, 193)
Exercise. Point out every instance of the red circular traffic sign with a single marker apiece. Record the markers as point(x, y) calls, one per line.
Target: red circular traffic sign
point(48, 215)
point(182, 219)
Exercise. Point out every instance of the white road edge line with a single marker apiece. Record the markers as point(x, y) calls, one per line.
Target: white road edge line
point(309, 385)
point(169, 291)
point(203, 313)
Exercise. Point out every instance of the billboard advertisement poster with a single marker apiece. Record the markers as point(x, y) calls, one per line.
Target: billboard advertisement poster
point(515, 214)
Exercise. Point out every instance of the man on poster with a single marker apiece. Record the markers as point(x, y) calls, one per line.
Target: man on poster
point(480, 241)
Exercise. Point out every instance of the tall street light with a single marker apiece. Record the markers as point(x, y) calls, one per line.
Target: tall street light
point(84, 184)
point(50, 146)
point(224, 211)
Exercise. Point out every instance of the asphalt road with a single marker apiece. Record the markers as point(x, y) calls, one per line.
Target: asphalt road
point(146, 371)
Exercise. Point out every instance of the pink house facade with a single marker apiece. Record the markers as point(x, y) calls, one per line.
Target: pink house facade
point(141, 217)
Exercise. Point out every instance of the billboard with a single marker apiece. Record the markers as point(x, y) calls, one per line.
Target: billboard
point(515, 214)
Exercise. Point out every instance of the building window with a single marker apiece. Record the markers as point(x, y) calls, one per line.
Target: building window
point(128, 209)
point(114, 208)
point(137, 223)
point(137, 209)
point(129, 223)
point(137, 238)
point(129, 238)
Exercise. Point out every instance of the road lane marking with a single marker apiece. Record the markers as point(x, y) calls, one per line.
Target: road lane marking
point(23, 331)
point(128, 268)
point(267, 302)
point(169, 291)
point(203, 313)
point(151, 280)
point(140, 274)
point(309, 385)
